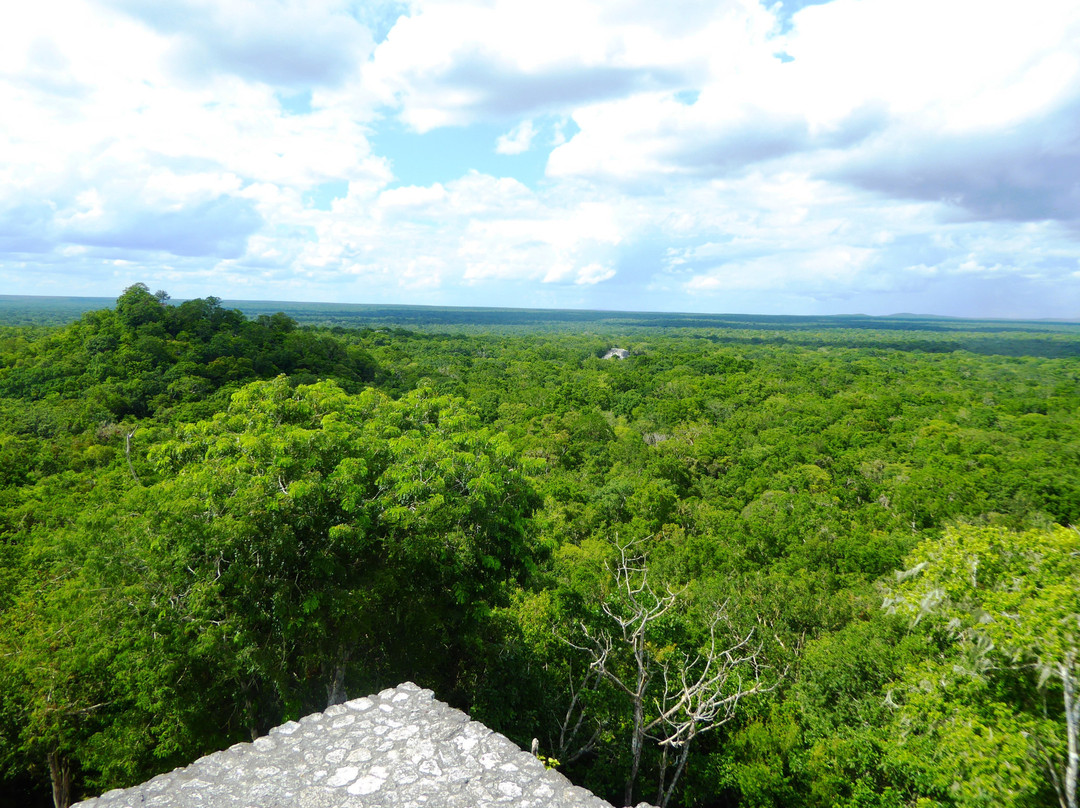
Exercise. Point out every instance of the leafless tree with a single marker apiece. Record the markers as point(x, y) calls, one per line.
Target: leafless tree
point(127, 454)
point(1064, 774)
point(703, 693)
point(700, 691)
point(578, 733)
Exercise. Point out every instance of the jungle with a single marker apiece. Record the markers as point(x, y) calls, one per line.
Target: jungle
point(758, 561)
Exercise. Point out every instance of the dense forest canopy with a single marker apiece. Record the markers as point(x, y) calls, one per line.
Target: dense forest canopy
point(757, 562)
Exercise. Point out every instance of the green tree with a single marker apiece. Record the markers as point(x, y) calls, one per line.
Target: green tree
point(85, 662)
point(1012, 600)
point(320, 527)
point(137, 307)
point(299, 543)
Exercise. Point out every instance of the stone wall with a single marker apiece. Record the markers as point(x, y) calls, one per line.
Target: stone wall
point(401, 748)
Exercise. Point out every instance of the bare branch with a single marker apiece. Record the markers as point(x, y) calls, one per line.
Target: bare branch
point(569, 727)
point(127, 454)
point(701, 692)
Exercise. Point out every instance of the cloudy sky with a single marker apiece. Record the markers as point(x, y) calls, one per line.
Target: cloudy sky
point(871, 156)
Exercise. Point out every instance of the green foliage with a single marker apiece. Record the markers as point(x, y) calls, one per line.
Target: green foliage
point(208, 523)
point(1011, 602)
point(149, 358)
point(325, 527)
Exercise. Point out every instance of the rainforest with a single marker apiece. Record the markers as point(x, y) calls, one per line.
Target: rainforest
point(800, 562)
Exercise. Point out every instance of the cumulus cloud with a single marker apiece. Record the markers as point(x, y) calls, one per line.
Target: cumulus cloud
point(594, 273)
point(517, 140)
point(847, 155)
point(984, 121)
point(874, 95)
point(119, 154)
point(473, 233)
point(217, 228)
point(1025, 173)
point(279, 42)
point(451, 63)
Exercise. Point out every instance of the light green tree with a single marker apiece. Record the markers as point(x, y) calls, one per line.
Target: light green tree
point(1013, 601)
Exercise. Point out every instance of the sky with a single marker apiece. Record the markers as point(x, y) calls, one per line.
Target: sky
point(729, 156)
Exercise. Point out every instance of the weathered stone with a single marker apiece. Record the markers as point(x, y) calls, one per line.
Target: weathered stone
point(410, 750)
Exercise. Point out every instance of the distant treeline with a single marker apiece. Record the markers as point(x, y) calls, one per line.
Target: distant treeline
point(980, 336)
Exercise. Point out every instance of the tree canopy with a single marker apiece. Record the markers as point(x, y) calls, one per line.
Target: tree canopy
point(211, 523)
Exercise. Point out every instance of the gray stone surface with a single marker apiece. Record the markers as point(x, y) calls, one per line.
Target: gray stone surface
point(401, 748)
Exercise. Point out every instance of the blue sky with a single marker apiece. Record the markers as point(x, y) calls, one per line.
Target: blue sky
point(852, 156)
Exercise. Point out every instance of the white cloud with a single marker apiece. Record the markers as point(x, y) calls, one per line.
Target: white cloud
point(451, 63)
point(594, 273)
point(301, 43)
point(517, 140)
point(129, 155)
point(962, 99)
point(469, 233)
point(815, 272)
point(957, 64)
point(910, 147)
point(411, 197)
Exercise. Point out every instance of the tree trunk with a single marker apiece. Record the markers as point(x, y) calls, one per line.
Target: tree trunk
point(679, 768)
point(249, 714)
point(636, 742)
point(127, 454)
point(335, 688)
point(60, 774)
point(1072, 729)
point(335, 670)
